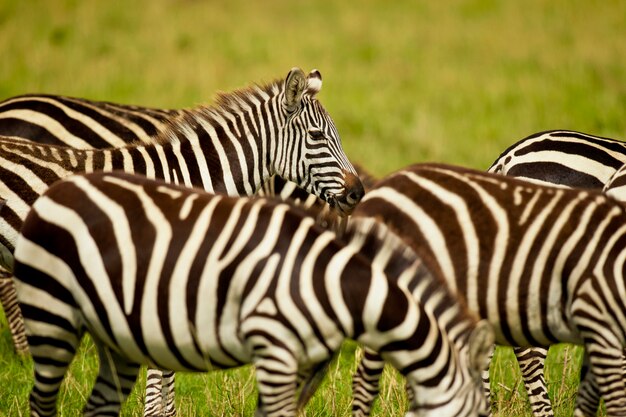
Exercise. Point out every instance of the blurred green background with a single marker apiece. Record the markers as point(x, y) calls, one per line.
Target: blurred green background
point(454, 81)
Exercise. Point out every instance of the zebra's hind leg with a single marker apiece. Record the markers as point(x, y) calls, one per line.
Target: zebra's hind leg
point(159, 391)
point(8, 299)
point(168, 393)
point(116, 378)
point(365, 382)
point(53, 349)
point(531, 362)
point(486, 381)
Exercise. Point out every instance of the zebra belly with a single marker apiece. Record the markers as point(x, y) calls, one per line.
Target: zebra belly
point(182, 346)
point(183, 357)
point(521, 322)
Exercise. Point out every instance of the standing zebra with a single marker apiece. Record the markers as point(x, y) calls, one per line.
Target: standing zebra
point(80, 123)
point(87, 124)
point(232, 147)
point(194, 281)
point(543, 265)
point(565, 158)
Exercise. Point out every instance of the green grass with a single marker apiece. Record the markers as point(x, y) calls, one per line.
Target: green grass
point(455, 81)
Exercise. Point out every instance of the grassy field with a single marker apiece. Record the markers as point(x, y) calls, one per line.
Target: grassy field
point(455, 81)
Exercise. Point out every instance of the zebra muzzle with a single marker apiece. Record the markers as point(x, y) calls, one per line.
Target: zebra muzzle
point(354, 192)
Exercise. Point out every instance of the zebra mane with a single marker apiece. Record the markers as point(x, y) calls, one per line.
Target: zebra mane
point(224, 103)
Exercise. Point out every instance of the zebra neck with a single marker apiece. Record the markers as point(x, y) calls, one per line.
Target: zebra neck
point(200, 151)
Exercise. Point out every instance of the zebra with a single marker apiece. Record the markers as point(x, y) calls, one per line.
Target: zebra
point(563, 158)
point(543, 264)
point(231, 147)
point(80, 123)
point(86, 124)
point(195, 281)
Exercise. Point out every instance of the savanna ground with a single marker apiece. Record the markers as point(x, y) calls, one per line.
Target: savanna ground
point(455, 81)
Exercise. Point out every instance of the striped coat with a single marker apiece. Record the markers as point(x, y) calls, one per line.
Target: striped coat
point(186, 280)
point(570, 159)
point(80, 123)
point(544, 265)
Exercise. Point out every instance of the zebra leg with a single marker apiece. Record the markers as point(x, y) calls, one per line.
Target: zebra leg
point(8, 299)
point(277, 381)
point(365, 382)
point(588, 399)
point(605, 359)
point(52, 354)
point(153, 405)
point(531, 362)
point(116, 378)
point(486, 380)
point(168, 393)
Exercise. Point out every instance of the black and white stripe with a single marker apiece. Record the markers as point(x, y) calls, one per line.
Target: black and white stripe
point(569, 159)
point(191, 281)
point(542, 264)
point(80, 123)
point(563, 157)
point(86, 124)
point(616, 185)
point(232, 147)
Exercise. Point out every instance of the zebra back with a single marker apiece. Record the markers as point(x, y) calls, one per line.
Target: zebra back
point(80, 123)
point(231, 147)
point(518, 252)
point(616, 186)
point(194, 281)
point(563, 157)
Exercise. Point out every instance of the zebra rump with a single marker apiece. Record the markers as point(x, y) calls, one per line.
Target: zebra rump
point(185, 280)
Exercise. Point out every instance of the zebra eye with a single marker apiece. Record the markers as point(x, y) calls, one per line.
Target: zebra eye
point(317, 134)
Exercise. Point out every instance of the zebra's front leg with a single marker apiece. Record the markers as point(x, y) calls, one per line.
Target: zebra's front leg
point(116, 378)
point(277, 382)
point(604, 377)
point(588, 398)
point(366, 383)
point(531, 362)
point(8, 299)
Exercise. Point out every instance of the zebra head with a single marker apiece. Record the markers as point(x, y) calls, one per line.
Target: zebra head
point(313, 156)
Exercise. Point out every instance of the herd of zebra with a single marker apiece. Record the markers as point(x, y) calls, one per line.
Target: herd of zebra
point(239, 233)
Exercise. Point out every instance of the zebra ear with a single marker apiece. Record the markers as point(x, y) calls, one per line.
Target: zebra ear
point(481, 343)
point(314, 83)
point(294, 87)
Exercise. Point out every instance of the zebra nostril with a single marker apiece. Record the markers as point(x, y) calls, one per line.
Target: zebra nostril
point(356, 194)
